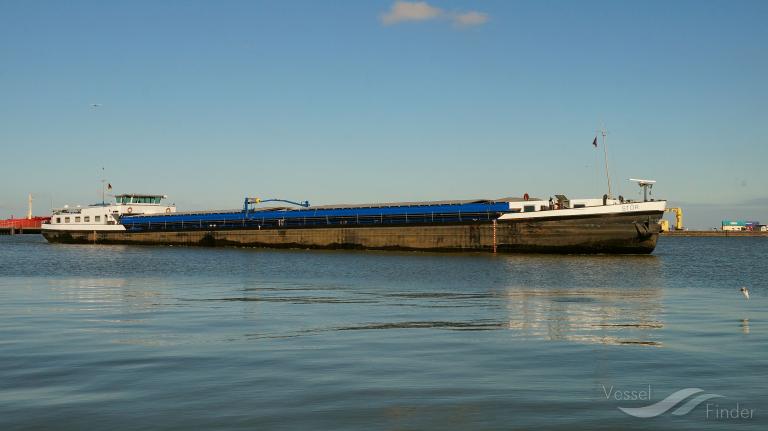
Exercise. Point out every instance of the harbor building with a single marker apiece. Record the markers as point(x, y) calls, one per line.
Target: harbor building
point(742, 225)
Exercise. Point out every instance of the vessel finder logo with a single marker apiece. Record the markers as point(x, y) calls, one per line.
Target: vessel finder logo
point(695, 397)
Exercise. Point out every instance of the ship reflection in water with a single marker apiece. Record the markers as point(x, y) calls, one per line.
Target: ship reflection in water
point(600, 316)
point(115, 309)
point(577, 299)
point(605, 309)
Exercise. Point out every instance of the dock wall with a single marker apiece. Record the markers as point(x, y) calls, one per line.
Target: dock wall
point(715, 233)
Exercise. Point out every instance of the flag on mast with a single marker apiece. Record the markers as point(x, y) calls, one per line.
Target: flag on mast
point(109, 186)
point(594, 143)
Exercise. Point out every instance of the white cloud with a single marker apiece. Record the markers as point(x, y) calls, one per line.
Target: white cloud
point(470, 18)
point(410, 11)
point(403, 11)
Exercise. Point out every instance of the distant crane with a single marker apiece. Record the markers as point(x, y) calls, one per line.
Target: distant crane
point(254, 201)
point(678, 219)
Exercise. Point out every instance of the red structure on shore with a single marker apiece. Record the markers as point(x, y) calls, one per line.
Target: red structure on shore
point(29, 224)
point(23, 223)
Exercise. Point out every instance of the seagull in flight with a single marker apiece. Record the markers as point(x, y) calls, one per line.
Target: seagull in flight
point(745, 292)
point(95, 105)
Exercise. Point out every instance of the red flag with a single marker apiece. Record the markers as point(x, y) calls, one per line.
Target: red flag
point(594, 143)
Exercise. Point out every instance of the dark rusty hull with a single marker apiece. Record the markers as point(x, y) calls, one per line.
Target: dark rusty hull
point(627, 233)
point(633, 233)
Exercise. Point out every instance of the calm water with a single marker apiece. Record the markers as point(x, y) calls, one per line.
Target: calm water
point(114, 337)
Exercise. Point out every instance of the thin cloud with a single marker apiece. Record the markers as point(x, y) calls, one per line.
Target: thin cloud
point(470, 19)
point(405, 11)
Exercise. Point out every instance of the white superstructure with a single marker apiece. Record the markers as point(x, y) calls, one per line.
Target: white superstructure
point(106, 217)
point(563, 207)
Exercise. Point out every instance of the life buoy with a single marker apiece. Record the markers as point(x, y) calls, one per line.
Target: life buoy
point(526, 197)
point(167, 210)
point(129, 210)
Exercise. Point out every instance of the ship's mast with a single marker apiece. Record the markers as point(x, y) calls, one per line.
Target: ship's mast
point(29, 209)
point(605, 153)
point(102, 186)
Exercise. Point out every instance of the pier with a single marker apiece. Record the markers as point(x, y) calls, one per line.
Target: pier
point(12, 230)
point(715, 233)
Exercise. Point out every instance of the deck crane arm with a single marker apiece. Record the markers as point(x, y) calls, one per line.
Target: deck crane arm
point(254, 201)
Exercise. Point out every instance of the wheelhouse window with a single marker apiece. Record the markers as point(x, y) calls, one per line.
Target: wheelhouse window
point(97, 218)
point(529, 208)
point(66, 219)
point(77, 219)
point(87, 219)
point(126, 200)
point(58, 219)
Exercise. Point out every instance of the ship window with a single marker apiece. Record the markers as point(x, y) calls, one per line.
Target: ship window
point(86, 219)
point(77, 219)
point(66, 219)
point(97, 218)
point(529, 208)
point(579, 205)
point(58, 219)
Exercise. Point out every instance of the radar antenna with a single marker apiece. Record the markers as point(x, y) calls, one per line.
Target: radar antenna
point(646, 185)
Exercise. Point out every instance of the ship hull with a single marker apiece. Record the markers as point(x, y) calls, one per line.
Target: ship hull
point(623, 233)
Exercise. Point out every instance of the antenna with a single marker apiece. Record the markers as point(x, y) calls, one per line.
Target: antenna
point(102, 186)
point(646, 185)
point(605, 153)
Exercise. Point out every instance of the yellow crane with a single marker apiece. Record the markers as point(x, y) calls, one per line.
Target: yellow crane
point(678, 219)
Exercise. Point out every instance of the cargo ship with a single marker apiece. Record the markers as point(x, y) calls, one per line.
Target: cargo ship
point(524, 224)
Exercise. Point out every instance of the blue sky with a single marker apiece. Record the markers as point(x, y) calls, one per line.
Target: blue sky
point(360, 101)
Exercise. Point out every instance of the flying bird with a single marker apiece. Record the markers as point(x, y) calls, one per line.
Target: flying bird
point(745, 292)
point(95, 105)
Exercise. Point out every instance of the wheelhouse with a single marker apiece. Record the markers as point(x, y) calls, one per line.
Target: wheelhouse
point(138, 199)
